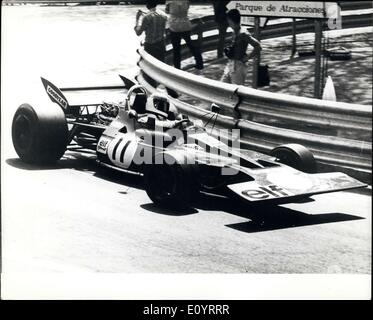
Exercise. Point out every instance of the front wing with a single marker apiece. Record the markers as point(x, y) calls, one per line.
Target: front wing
point(283, 184)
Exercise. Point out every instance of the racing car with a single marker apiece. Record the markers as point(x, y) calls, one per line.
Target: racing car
point(145, 134)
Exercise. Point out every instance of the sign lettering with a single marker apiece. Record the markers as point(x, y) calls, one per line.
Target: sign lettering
point(290, 9)
point(61, 101)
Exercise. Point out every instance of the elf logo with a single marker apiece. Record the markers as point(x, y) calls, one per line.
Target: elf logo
point(267, 192)
point(56, 97)
point(103, 144)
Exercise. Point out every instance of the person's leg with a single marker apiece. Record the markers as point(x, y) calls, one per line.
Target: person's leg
point(238, 75)
point(222, 33)
point(175, 41)
point(151, 49)
point(162, 51)
point(195, 51)
point(157, 50)
point(226, 77)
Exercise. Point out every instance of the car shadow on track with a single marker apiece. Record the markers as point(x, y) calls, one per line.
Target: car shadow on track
point(282, 221)
point(85, 163)
point(121, 178)
point(268, 217)
point(169, 212)
point(84, 160)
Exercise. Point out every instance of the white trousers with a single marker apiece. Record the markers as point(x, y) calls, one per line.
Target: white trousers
point(235, 72)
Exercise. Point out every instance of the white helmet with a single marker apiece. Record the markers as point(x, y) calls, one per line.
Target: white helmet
point(162, 104)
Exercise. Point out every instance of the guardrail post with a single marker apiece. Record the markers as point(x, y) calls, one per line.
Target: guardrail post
point(256, 61)
point(318, 40)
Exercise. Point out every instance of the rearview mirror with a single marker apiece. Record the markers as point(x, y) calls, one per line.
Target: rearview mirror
point(132, 114)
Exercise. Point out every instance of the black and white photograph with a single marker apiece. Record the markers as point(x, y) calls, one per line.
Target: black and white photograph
point(180, 149)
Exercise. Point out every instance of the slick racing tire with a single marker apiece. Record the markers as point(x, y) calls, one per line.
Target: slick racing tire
point(39, 134)
point(171, 185)
point(295, 156)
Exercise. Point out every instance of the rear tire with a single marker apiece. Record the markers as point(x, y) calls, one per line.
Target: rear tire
point(39, 135)
point(295, 156)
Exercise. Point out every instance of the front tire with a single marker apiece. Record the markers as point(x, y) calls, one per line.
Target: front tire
point(295, 156)
point(39, 135)
point(171, 185)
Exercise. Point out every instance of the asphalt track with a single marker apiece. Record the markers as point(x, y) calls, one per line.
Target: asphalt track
point(72, 218)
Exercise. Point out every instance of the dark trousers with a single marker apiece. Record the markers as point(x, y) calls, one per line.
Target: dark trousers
point(158, 51)
point(176, 40)
point(222, 26)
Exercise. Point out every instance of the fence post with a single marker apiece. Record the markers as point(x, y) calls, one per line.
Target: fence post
point(256, 61)
point(294, 34)
point(318, 40)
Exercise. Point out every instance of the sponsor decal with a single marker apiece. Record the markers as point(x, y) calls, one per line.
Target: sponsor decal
point(122, 151)
point(116, 148)
point(56, 97)
point(268, 192)
point(102, 145)
point(291, 181)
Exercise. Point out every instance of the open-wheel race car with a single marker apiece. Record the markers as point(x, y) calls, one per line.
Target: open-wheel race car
point(145, 134)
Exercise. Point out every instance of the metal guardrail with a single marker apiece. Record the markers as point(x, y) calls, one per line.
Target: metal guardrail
point(320, 113)
point(331, 152)
point(329, 149)
point(264, 138)
point(355, 5)
point(304, 26)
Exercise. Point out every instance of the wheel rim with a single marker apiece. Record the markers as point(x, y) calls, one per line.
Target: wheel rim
point(22, 132)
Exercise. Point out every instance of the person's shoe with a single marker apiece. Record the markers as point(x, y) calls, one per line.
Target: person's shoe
point(199, 67)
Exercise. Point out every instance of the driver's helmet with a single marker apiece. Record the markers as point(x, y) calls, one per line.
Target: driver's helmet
point(138, 101)
point(162, 103)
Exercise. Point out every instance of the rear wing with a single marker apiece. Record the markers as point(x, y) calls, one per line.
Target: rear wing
point(57, 95)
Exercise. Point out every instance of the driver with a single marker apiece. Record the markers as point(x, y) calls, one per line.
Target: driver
point(165, 112)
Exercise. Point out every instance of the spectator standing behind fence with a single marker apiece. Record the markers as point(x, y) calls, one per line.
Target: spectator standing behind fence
point(180, 28)
point(153, 23)
point(236, 68)
point(220, 13)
